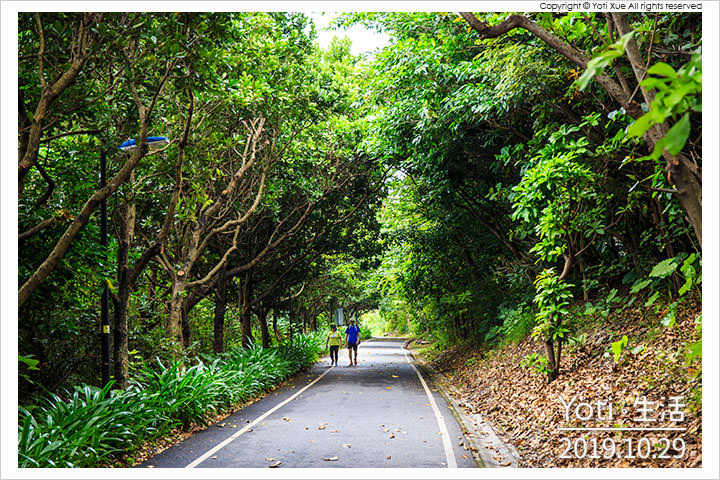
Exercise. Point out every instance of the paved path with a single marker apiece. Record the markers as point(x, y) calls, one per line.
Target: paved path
point(375, 414)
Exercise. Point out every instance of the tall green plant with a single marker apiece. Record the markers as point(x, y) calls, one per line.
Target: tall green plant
point(89, 427)
point(552, 300)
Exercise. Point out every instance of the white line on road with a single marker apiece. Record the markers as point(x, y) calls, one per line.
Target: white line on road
point(247, 427)
point(449, 455)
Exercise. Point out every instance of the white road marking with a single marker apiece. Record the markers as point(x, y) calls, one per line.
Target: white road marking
point(247, 427)
point(449, 455)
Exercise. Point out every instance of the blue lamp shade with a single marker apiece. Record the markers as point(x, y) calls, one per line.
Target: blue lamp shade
point(153, 143)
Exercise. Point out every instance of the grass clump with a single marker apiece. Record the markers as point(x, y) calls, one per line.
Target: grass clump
point(92, 424)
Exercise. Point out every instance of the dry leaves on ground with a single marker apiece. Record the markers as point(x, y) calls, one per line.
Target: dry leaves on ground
point(528, 411)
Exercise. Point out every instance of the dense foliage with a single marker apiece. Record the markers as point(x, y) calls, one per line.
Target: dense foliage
point(520, 185)
point(260, 186)
point(481, 179)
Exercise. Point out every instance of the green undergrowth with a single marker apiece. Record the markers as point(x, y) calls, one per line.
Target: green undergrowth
point(91, 425)
point(365, 332)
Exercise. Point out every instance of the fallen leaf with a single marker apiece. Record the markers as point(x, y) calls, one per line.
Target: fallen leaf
point(330, 459)
point(395, 376)
point(388, 457)
point(275, 464)
point(385, 430)
point(287, 419)
point(392, 435)
point(269, 459)
point(333, 431)
point(346, 445)
point(388, 388)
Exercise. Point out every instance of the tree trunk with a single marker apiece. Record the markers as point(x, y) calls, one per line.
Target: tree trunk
point(185, 326)
point(550, 355)
point(274, 325)
point(262, 320)
point(581, 266)
point(174, 321)
point(246, 313)
point(120, 332)
point(689, 192)
point(219, 314)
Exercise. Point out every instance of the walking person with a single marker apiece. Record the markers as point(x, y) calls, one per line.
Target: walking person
point(352, 338)
point(334, 341)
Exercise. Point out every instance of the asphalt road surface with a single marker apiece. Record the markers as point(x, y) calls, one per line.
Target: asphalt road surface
point(377, 414)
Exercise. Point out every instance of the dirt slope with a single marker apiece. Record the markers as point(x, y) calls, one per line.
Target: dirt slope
point(529, 411)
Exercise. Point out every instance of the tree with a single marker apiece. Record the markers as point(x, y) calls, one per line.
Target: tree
point(682, 172)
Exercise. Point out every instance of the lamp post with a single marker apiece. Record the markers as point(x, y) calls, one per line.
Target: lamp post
point(105, 299)
point(153, 142)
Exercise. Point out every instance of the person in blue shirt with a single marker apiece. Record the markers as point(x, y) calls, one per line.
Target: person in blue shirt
point(352, 339)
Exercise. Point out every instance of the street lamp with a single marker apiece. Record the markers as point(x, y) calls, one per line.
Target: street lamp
point(153, 143)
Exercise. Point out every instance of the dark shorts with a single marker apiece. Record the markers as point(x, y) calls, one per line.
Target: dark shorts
point(352, 346)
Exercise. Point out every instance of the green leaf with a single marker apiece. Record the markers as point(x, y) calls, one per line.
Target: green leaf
point(686, 286)
point(652, 299)
point(30, 362)
point(618, 347)
point(664, 268)
point(694, 351)
point(597, 64)
point(639, 126)
point(639, 285)
point(669, 319)
point(663, 69)
point(678, 135)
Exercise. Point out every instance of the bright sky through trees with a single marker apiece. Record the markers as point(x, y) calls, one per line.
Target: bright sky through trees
point(363, 39)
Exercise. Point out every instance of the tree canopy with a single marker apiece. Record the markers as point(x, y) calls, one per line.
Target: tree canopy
point(480, 170)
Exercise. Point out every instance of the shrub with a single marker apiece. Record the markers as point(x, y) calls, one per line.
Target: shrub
point(90, 425)
point(86, 428)
point(517, 323)
point(365, 332)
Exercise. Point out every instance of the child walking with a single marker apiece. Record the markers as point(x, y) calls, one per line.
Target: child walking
point(334, 340)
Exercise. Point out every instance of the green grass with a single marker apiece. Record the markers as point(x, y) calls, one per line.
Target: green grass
point(89, 426)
